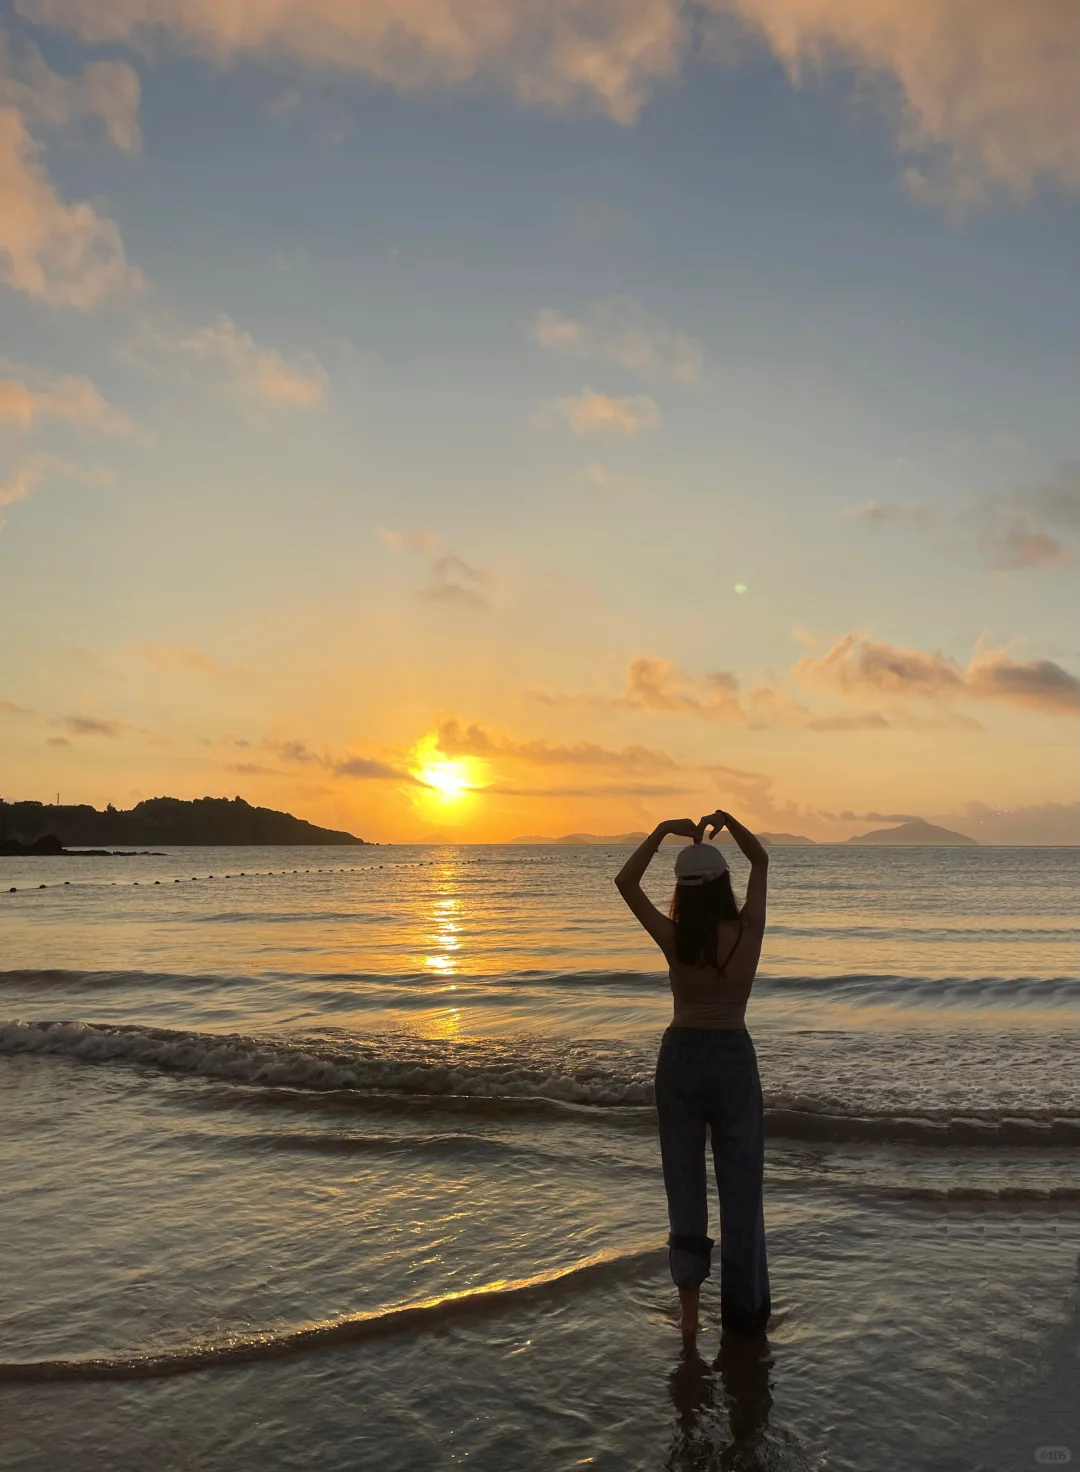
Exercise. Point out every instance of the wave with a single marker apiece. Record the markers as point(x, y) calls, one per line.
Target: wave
point(242, 1347)
point(853, 987)
point(495, 1084)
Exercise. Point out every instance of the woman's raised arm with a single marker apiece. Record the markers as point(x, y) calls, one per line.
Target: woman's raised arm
point(628, 879)
point(753, 910)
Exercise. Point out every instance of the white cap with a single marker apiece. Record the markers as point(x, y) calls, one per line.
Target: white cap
point(697, 863)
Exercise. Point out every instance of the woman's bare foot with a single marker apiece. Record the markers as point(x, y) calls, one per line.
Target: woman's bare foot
point(688, 1305)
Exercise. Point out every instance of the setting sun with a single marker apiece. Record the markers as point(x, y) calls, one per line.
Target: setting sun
point(451, 779)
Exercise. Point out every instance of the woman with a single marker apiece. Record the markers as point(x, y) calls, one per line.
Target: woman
point(707, 1073)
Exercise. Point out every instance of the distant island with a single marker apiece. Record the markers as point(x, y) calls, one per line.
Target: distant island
point(770, 840)
point(916, 834)
point(206, 821)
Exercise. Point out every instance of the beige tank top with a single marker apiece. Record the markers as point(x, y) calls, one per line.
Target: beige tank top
point(704, 999)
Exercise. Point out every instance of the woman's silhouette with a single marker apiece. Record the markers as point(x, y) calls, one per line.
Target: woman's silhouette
point(706, 1073)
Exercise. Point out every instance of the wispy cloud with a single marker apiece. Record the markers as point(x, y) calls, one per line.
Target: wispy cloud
point(453, 580)
point(1033, 528)
point(77, 725)
point(24, 401)
point(36, 469)
point(982, 93)
point(552, 55)
point(257, 374)
point(455, 739)
point(295, 752)
point(189, 658)
point(450, 579)
point(590, 412)
point(106, 90)
point(65, 255)
point(620, 331)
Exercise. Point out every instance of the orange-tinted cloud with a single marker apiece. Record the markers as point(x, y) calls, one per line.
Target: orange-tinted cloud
point(107, 90)
point(475, 740)
point(77, 725)
point(983, 92)
point(258, 374)
point(595, 413)
point(188, 657)
point(62, 254)
point(554, 53)
point(659, 685)
point(75, 400)
point(861, 667)
point(622, 332)
point(35, 469)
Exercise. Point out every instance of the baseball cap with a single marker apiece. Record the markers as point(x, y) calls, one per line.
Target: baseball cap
point(697, 863)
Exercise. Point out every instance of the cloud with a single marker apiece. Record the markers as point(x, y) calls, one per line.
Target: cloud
point(1036, 684)
point(62, 254)
point(35, 469)
point(450, 579)
point(411, 539)
point(597, 790)
point(595, 413)
point(622, 332)
point(297, 753)
point(1033, 823)
point(107, 90)
point(257, 374)
point(659, 685)
point(558, 54)
point(372, 770)
point(453, 580)
point(454, 739)
point(876, 514)
point(1031, 528)
point(77, 725)
point(982, 93)
point(75, 400)
point(861, 667)
point(188, 657)
point(11, 708)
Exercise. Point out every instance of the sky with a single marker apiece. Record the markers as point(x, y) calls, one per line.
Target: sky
point(460, 419)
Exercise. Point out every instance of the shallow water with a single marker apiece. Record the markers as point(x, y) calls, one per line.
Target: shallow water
point(252, 1118)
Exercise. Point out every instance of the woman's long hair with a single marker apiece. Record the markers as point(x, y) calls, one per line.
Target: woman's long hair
point(698, 910)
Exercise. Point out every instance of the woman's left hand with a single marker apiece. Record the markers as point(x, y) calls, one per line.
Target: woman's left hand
point(685, 828)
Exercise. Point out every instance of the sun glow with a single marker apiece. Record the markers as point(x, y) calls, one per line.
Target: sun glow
point(451, 779)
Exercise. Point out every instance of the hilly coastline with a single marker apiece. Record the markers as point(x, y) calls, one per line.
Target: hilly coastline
point(205, 821)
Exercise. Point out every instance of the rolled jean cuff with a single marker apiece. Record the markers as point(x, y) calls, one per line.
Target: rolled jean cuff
point(689, 1258)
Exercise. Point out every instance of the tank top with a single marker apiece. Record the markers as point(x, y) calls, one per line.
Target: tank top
point(704, 999)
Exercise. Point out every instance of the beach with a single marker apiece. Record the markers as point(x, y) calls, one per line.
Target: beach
point(348, 1159)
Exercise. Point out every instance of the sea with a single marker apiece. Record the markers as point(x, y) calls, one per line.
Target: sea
point(346, 1158)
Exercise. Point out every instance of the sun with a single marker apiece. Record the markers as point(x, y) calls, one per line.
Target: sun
point(450, 779)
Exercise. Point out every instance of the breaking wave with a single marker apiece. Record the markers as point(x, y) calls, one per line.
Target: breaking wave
point(618, 1083)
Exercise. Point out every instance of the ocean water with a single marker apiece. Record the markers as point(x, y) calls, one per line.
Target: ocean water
point(347, 1159)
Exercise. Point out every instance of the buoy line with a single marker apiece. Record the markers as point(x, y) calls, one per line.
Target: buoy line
point(284, 873)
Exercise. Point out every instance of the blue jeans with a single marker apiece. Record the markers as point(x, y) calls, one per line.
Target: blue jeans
point(709, 1076)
